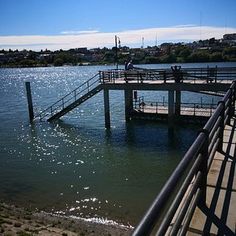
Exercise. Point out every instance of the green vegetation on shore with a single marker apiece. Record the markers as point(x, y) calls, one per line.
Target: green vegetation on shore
point(210, 50)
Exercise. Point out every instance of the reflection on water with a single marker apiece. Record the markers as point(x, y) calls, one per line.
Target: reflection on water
point(75, 166)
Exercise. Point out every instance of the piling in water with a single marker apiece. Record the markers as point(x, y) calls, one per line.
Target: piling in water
point(29, 99)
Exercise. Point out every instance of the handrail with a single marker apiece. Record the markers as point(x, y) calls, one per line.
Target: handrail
point(206, 108)
point(70, 97)
point(189, 191)
point(209, 74)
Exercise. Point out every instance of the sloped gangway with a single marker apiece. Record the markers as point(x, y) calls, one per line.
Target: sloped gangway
point(73, 99)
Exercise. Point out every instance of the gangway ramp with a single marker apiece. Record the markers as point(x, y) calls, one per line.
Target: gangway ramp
point(72, 100)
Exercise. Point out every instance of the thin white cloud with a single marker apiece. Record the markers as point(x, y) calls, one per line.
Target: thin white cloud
point(187, 25)
point(75, 32)
point(129, 38)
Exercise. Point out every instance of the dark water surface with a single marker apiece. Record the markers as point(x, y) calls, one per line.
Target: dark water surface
point(75, 166)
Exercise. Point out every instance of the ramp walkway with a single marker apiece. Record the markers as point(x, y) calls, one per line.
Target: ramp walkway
point(72, 100)
point(218, 215)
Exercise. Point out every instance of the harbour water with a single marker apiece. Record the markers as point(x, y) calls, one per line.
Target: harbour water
point(75, 166)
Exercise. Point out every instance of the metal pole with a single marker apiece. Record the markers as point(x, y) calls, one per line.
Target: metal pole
point(203, 167)
point(116, 56)
point(107, 108)
point(29, 99)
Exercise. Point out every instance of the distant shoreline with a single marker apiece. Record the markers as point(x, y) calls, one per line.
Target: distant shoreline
point(120, 65)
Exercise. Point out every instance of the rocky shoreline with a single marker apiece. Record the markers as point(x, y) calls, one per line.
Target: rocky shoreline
point(23, 222)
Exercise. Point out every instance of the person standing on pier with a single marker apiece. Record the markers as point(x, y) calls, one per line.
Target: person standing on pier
point(126, 65)
point(177, 74)
point(130, 65)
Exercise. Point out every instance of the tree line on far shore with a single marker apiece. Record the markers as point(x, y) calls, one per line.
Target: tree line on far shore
point(210, 50)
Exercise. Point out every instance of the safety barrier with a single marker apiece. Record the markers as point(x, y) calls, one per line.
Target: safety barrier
point(186, 187)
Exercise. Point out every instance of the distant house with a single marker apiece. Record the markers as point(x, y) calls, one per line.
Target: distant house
point(229, 37)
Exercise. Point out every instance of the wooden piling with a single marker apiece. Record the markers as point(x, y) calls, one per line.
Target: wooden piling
point(107, 108)
point(171, 107)
point(29, 99)
point(128, 103)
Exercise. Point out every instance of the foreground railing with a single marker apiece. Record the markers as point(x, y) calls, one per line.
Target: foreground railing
point(161, 107)
point(173, 208)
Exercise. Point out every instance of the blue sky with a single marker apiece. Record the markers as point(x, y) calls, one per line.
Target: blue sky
point(35, 24)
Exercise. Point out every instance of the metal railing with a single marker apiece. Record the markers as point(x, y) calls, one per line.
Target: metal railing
point(70, 97)
point(208, 74)
point(161, 107)
point(186, 187)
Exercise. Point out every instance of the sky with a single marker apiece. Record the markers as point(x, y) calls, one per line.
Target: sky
point(65, 24)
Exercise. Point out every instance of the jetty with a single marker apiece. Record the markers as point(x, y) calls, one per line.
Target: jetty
point(211, 81)
point(200, 196)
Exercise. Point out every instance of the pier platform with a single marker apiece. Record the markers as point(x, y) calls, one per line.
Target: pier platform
point(188, 113)
point(218, 216)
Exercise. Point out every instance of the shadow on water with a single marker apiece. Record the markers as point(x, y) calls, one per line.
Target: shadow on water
point(145, 134)
point(139, 134)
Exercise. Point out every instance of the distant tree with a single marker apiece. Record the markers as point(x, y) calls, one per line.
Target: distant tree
point(185, 53)
point(27, 63)
point(230, 51)
point(198, 57)
point(212, 41)
point(168, 58)
point(216, 57)
point(58, 62)
point(151, 60)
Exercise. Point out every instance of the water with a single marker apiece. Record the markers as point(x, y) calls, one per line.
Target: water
point(75, 166)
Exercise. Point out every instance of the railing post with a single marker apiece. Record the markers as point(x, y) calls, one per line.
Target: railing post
point(216, 74)
point(203, 167)
point(62, 103)
point(164, 76)
point(221, 133)
point(100, 76)
point(234, 97)
point(143, 104)
point(231, 109)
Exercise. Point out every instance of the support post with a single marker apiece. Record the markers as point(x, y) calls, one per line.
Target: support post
point(29, 99)
point(171, 108)
point(107, 108)
point(221, 133)
point(177, 103)
point(128, 103)
point(203, 168)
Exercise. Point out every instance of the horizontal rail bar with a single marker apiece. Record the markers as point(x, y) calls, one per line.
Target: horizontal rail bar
point(175, 204)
